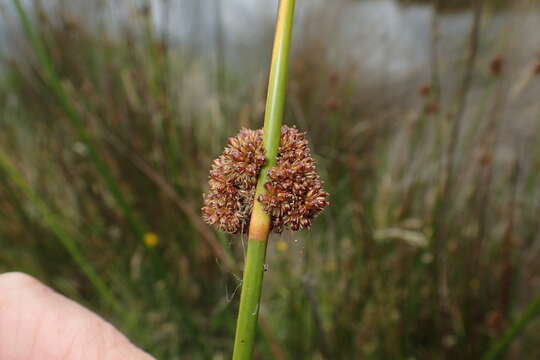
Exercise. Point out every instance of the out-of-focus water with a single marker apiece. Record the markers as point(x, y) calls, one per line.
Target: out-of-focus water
point(380, 35)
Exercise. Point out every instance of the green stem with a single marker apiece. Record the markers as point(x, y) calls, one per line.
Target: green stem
point(260, 221)
point(499, 347)
point(249, 301)
point(53, 82)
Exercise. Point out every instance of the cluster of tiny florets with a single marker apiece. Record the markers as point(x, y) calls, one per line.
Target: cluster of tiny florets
point(293, 196)
point(232, 182)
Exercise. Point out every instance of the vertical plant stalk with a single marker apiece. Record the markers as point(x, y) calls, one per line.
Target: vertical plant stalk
point(52, 222)
point(219, 35)
point(434, 55)
point(52, 80)
point(441, 225)
point(259, 227)
point(463, 93)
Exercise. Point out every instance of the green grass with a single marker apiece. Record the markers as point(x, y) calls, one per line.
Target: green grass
point(357, 286)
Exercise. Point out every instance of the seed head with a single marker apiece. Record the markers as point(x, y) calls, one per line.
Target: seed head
point(293, 196)
point(536, 69)
point(496, 65)
point(232, 181)
point(425, 89)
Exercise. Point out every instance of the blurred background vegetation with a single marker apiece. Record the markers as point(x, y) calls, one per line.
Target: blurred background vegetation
point(424, 119)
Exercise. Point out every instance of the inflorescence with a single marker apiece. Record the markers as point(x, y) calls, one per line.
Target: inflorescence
point(294, 194)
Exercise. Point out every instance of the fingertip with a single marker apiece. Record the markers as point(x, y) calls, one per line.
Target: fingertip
point(38, 323)
point(17, 280)
point(128, 352)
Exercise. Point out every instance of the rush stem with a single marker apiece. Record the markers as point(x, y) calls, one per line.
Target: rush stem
point(260, 221)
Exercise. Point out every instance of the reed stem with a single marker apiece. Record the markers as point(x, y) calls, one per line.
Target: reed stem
point(260, 221)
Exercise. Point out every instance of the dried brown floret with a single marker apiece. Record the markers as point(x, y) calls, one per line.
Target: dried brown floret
point(294, 194)
point(232, 181)
point(496, 65)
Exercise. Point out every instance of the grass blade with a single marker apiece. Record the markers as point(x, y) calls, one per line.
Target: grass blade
point(499, 347)
point(53, 82)
point(51, 221)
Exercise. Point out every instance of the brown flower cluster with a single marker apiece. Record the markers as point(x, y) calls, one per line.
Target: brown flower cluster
point(232, 182)
point(294, 194)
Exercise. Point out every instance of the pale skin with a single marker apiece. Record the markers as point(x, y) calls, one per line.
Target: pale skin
point(37, 323)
